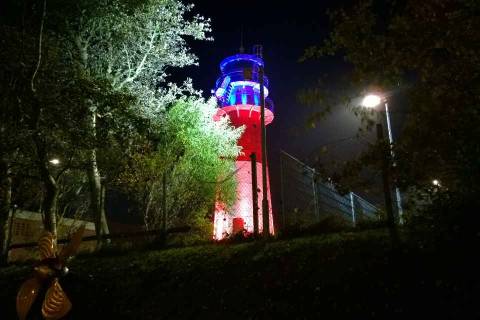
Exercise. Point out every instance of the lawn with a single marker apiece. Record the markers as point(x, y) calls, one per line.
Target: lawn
point(340, 275)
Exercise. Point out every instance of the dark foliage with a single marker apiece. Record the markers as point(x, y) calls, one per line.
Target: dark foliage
point(348, 275)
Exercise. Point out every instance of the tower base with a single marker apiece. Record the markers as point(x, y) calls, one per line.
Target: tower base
point(228, 220)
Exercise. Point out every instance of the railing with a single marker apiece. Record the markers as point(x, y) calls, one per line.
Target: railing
point(241, 75)
point(306, 199)
point(249, 99)
point(109, 236)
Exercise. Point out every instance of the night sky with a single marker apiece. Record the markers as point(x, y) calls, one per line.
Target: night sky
point(284, 30)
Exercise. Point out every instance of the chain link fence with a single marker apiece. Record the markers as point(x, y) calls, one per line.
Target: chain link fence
point(307, 200)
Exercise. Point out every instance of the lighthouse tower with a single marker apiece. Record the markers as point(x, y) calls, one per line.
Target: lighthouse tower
point(238, 94)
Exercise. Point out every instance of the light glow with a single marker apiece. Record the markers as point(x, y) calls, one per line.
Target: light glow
point(219, 93)
point(221, 90)
point(221, 220)
point(232, 99)
point(247, 83)
point(436, 182)
point(243, 206)
point(371, 101)
point(241, 57)
point(55, 161)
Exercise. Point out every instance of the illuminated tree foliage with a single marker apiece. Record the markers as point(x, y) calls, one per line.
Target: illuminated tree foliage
point(41, 120)
point(94, 75)
point(195, 157)
point(38, 123)
point(430, 50)
point(128, 44)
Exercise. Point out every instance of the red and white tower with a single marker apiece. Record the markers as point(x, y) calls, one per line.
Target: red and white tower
point(238, 94)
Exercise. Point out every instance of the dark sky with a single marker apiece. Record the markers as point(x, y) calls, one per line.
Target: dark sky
point(284, 29)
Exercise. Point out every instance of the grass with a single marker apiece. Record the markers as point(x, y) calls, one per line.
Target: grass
point(338, 275)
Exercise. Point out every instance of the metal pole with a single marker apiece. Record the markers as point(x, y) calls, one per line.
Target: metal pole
point(282, 187)
point(352, 203)
point(265, 209)
point(253, 158)
point(389, 127)
point(398, 196)
point(386, 186)
point(315, 197)
point(10, 227)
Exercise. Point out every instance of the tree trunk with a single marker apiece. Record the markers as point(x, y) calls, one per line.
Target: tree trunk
point(164, 203)
point(50, 202)
point(146, 215)
point(5, 202)
point(103, 216)
point(101, 226)
point(97, 195)
point(51, 188)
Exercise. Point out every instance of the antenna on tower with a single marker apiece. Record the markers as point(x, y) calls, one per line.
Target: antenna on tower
point(242, 49)
point(258, 50)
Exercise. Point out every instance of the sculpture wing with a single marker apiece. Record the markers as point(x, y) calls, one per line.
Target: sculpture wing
point(47, 244)
point(71, 248)
point(56, 304)
point(26, 296)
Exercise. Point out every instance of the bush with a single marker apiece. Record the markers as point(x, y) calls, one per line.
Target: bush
point(365, 224)
point(239, 237)
point(450, 218)
point(328, 224)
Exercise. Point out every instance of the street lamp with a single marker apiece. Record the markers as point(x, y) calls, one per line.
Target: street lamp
point(372, 101)
point(55, 161)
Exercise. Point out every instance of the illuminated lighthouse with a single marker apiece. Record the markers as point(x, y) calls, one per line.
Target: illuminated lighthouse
point(238, 94)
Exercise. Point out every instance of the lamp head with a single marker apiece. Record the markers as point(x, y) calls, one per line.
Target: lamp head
point(55, 161)
point(371, 101)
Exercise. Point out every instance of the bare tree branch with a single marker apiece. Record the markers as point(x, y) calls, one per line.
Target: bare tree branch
point(40, 36)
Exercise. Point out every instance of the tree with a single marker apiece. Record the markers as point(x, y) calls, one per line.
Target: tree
point(189, 163)
point(92, 91)
point(42, 118)
point(429, 49)
point(37, 123)
point(128, 45)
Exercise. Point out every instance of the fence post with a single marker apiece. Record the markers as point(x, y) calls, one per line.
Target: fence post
point(10, 228)
point(282, 189)
point(164, 202)
point(352, 203)
point(253, 158)
point(315, 196)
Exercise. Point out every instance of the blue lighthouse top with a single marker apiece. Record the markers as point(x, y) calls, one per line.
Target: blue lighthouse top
point(240, 60)
point(239, 81)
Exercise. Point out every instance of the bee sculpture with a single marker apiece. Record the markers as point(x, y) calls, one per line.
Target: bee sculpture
point(47, 272)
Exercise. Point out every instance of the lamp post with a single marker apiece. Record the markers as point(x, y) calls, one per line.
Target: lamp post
point(265, 205)
point(54, 161)
point(372, 101)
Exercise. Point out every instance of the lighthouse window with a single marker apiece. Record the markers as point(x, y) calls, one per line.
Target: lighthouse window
point(244, 98)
